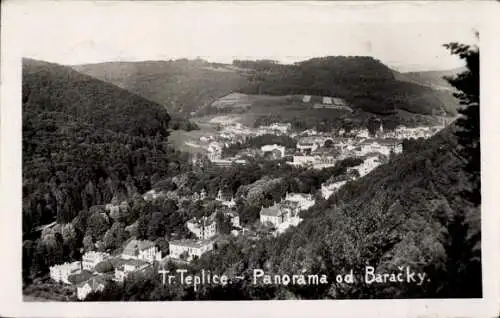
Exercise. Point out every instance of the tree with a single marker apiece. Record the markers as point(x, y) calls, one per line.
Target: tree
point(156, 227)
point(97, 226)
point(88, 243)
point(329, 143)
point(224, 225)
point(28, 253)
point(104, 267)
point(115, 236)
point(467, 84)
point(373, 125)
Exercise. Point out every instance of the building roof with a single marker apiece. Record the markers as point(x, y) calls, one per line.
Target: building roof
point(134, 246)
point(230, 212)
point(97, 280)
point(271, 211)
point(191, 243)
point(203, 221)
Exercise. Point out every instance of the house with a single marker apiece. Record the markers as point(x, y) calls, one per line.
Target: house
point(310, 143)
point(367, 166)
point(91, 259)
point(280, 127)
point(234, 216)
point(60, 273)
point(271, 148)
point(203, 194)
point(224, 200)
point(112, 208)
point(303, 160)
point(189, 249)
point(274, 214)
point(95, 283)
point(204, 227)
point(281, 216)
point(142, 250)
point(328, 189)
point(292, 207)
point(153, 195)
point(214, 151)
point(125, 267)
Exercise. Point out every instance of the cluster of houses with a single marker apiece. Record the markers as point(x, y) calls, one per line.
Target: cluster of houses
point(370, 163)
point(310, 150)
point(284, 214)
point(204, 229)
point(402, 132)
point(137, 256)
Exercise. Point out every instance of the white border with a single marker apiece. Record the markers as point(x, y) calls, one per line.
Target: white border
point(10, 155)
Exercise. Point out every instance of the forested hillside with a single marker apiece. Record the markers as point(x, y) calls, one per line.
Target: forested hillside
point(182, 86)
point(86, 141)
point(185, 86)
point(363, 82)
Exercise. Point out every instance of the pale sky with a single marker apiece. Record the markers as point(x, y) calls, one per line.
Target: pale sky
point(407, 37)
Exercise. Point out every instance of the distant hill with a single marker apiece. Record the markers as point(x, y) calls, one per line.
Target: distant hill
point(364, 82)
point(50, 88)
point(186, 86)
point(434, 79)
point(182, 86)
point(85, 142)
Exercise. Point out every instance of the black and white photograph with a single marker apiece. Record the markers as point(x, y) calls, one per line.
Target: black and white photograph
point(232, 151)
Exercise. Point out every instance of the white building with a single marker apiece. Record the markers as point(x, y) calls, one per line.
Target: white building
point(328, 190)
point(367, 166)
point(189, 248)
point(224, 200)
point(141, 250)
point(203, 228)
point(281, 215)
point(91, 259)
point(274, 214)
point(305, 201)
point(270, 148)
point(235, 218)
point(303, 160)
point(214, 151)
point(307, 146)
point(362, 133)
point(129, 266)
point(152, 195)
point(95, 283)
point(60, 273)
